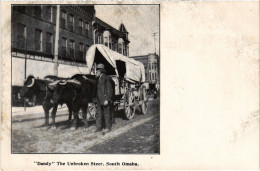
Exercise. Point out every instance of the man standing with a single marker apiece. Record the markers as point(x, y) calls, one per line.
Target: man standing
point(104, 97)
point(157, 87)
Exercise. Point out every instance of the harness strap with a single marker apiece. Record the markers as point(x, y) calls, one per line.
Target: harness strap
point(45, 92)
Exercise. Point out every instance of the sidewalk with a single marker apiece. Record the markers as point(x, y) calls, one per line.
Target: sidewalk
point(36, 112)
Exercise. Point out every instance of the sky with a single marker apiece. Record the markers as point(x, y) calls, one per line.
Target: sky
point(140, 21)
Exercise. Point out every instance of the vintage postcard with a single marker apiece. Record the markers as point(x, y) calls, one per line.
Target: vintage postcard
point(129, 85)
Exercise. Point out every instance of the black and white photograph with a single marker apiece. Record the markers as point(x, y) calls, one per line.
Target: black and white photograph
point(85, 79)
point(129, 85)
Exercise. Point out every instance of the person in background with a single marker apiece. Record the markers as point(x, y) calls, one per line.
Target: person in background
point(157, 86)
point(156, 92)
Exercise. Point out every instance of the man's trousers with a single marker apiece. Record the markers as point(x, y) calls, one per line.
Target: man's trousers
point(103, 117)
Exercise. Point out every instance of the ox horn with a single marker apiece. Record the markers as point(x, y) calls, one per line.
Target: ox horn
point(74, 81)
point(33, 80)
point(53, 83)
point(63, 83)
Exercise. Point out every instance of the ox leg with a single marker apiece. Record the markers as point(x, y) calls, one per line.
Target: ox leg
point(53, 115)
point(70, 111)
point(75, 121)
point(84, 115)
point(70, 114)
point(46, 109)
point(46, 112)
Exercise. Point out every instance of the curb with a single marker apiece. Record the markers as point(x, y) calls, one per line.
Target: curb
point(40, 115)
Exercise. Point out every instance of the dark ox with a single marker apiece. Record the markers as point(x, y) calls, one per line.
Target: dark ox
point(38, 90)
point(88, 92)
point(77, 92)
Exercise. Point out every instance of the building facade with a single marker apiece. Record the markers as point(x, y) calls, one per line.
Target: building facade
point(33, 30)
point(152, 67)
point(116, 40)
point(33, 39)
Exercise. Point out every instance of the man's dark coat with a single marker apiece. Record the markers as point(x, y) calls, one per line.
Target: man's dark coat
point(104, 89)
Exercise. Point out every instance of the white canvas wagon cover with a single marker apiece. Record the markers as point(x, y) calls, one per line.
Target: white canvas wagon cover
point(134, 69)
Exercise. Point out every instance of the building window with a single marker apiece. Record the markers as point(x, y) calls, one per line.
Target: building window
point(71, 22)
point(86, 49)
point(80, 26)
point(123, 48)
point(120, 48)
point(110, 42)
point(99, 39)
point(150, 76)
point(38, 40)
point(127, 51)
point(63, 19)
point(49, 13)
point(21, 37)
point(149, 66)
point(21, 9)
point(49, 43)
point(86, 28)
point(63, 47)
point(38, 11)
point(72, 48)
point(30, 10)
point(105, 41)
point(153, 76)
point(81, 51)
point(115, 46)
point(71, 19)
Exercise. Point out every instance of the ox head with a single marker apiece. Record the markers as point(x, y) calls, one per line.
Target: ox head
point(64, 90)
point(28, 89)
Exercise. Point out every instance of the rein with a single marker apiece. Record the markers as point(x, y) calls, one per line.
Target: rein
point(45, 93)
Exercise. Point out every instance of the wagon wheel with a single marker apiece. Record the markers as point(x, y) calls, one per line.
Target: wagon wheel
point(144, 105)
point(92, 110)
point(129, 105)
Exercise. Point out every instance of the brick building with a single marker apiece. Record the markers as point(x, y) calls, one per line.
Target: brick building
point(152, 67)
point(36, 25)
point(116, 40)
point(33, 37)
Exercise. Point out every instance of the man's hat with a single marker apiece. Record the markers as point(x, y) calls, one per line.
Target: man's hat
point(101, 67)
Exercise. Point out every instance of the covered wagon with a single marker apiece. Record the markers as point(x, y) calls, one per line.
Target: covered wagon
point(127, 74)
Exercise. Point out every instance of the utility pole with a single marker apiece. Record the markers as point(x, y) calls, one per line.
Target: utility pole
point(56, 50)
point(25, 66)
point(158, 60)
point(154, 35)
point(25, 58)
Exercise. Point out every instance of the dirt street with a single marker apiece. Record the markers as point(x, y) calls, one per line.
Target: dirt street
point(139, 135)
point(142, 139)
